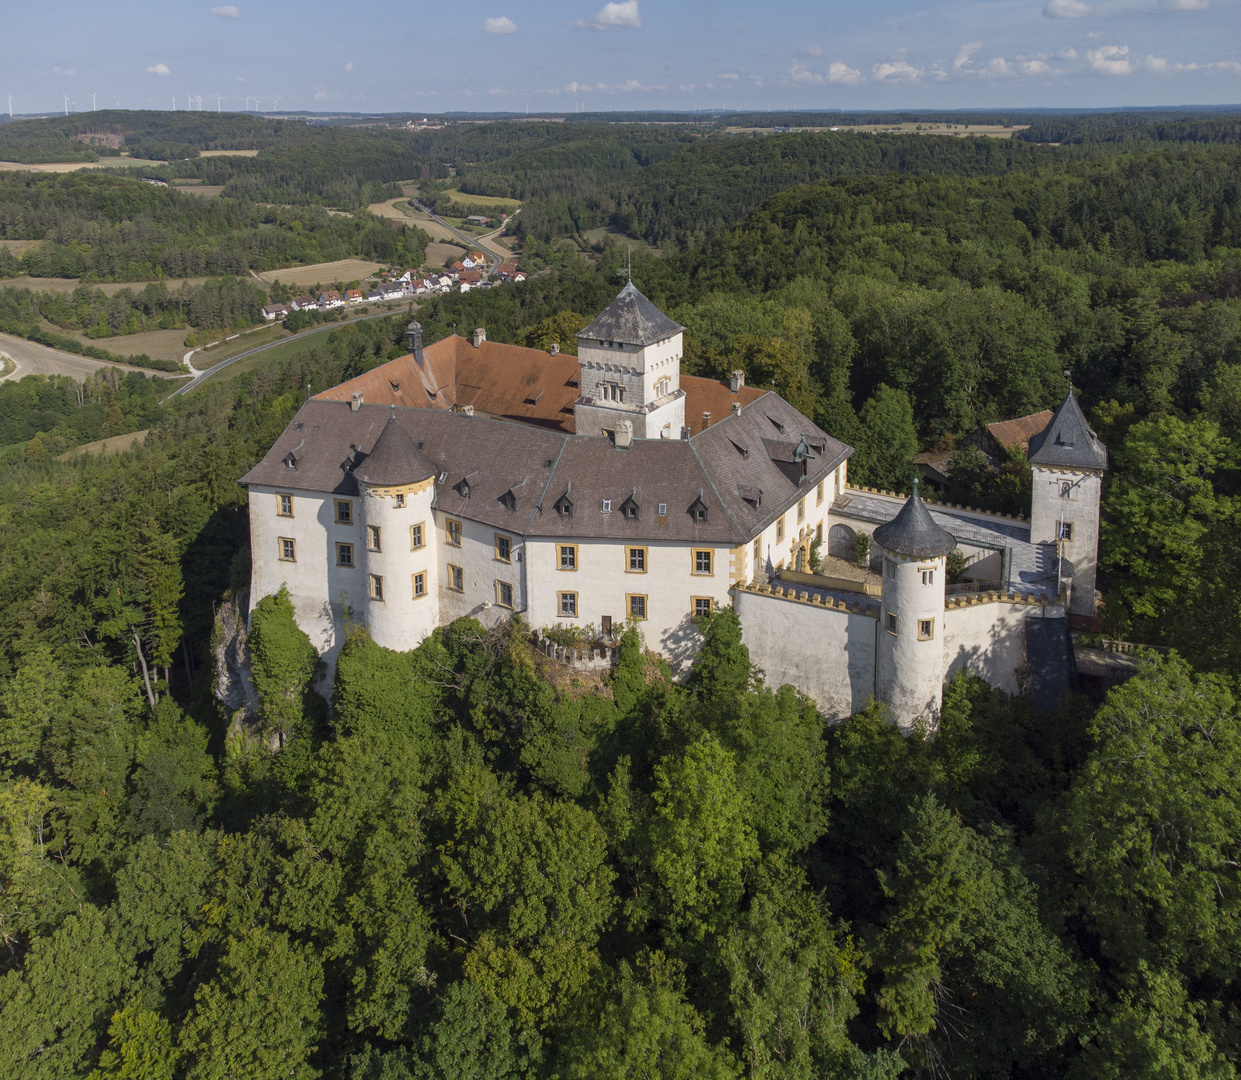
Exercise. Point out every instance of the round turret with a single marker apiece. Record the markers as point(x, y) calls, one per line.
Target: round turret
point(910, 656)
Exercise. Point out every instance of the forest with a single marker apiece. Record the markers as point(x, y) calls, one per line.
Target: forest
point(470, 865)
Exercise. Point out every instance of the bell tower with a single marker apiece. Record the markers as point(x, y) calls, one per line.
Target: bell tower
point(630, 361)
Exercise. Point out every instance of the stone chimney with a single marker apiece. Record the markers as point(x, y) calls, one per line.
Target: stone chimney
point(706, 421)
point(480, 335)
point(736, 408)
point(624, 435)
point(355, 401)
point(467, 410)
point(736, 380)
point(555, 349)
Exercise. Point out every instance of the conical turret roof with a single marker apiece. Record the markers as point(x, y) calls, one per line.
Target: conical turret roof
point(631, 319)
point(1067, 441)
point(913, 532)
point(394, 459)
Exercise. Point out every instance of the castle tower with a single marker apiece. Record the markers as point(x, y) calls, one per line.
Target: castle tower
point(910, 651)
point(630, 359)
point(397, 544)
point(1068, 461)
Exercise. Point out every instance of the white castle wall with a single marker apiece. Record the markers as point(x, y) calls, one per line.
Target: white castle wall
point(399, 620)
point(987, 639)
point(481, 570)
point(828, 653)
point(910, 669)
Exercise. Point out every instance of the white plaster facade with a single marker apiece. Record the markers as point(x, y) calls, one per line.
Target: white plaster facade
point(1064, 512)
point(642, 384)
point(910, 655)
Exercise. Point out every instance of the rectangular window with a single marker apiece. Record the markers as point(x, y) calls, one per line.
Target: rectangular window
point(284, 505)
point(417, 536)
point(452, 532)
point(636, 562)
point(504, 548)
point(663, 510)
point(758, 556)
point(819, 501)
point(1066, 530)
point(607, 506)
point(636, 603)
point(780, 529)
point(801, 509)
point(504, 594)
point(926, 629)
point(928, 577)
point(702, 607)
point(420, 585)
point(344, 555)
point(344, 512)
point(702, 560)
point(568, 556)
point(400, 498)
point(818, 533)
point(372, 538)
point(568, 605)
point(890, 622)
point(288, 550)
point(456, 578)
point(377, 587)
point(891, 568)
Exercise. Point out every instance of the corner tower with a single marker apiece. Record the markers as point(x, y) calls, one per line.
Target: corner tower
point(630, 360)
point(1068, 461)
point(397, 484)
point(910, 652)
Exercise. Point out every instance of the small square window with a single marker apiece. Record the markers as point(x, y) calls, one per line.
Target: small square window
point(284, 505)
point(637, 606)
point(344, 555)
point(400, 498)
point(452, 532)
point(702, 607)
point(702, 561)
point(568, 556)
point(1066, 531)
point(372, 538)
point(504, 594)
point(344, 512)
point(637, 560)
point(928, 577)
point(780, 529)
point(504, 548)
point(926, 629)
point(288, 550)
point(417, 537)
point(456, 578)
point(420, 585)
point(568, 605)
point(890, 622)
point(377, 587)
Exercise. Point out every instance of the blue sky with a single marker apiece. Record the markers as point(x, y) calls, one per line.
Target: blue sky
point(632, 54)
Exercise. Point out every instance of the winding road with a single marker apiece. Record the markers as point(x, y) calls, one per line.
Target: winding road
point(472, 243)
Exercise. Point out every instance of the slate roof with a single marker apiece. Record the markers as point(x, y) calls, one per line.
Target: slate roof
point(914, 532)
point(631, 319)
point(1068, 441)
point(394, 459)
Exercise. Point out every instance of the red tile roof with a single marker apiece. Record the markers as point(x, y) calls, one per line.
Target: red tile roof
point(1019, 432)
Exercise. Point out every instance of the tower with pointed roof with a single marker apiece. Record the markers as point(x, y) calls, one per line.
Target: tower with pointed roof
point(1067, 461)
point(630, 362)
point(909, 658)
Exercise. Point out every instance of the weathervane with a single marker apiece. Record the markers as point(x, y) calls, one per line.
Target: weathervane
point(628, 271)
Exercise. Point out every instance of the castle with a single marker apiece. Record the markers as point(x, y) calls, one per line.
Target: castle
point(474, 478)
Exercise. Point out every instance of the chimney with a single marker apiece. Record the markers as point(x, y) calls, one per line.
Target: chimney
point(624, 435)
point(736, 408)
point(413, 334)
point(736, 380)
point(468, 410)
point(706, 421)
point(355, 402)
point(480, 335)
point(555, 350)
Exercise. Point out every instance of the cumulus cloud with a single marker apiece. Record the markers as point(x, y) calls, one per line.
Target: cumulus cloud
point(964, 54)
point(1111, 60)
point(622, 15)
point(729, 76)
point(63, 71)
point(501, 25)
point(896, 71)
point(1232, 66)
point(228, 11)
point(1033, 67)
point(1187, 5)
point(1067, 9)
point(1157, 63)
point(349, 66)
point(812, 50)
point(241, 78)
point(837, 72)
point(1067, 54)
point(158, 69)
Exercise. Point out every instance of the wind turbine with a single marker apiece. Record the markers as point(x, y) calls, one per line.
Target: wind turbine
point(256, 105)
point(199, 99)
point(93, 95)
point(174, 102)
point(217, 101)
point(10, 106)
point(66, 104)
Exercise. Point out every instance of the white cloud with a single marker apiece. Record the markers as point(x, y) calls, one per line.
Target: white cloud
point(1232, 66)
point(1157, 63)
point(1067, 54)
point(1067, 9)
point(1187, 5)
point(964, 54)
point(738, 25)
point(729, 76)
point(228, 11)
point(63, 71)
point(840, 72)
point(896, 70)
point(349, 66)
point(501, 25)
point(158, 69)
point(996, 68)
point(241, 78)
point(812, 50)
point(1111, 60)
point(1033, 67)
point(622, 15)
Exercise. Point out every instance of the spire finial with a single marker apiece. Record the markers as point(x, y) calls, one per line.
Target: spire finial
point(394, 410)
point(915, 485)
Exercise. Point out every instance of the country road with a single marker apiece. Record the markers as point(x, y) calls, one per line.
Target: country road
point(34, 359)
point(473, 242)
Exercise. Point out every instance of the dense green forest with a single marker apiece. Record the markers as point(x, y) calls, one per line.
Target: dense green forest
point(465, 868)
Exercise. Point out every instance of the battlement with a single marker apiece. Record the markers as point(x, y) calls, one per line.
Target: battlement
point(813, 598)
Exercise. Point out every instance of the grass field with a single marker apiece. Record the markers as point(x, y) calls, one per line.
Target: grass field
point(996, 131)
point(206, 358)
point(595, 236)
point(322, 273)
point(113, 445)
point(74, 166)
point(400, 210)
point(18, 247)
point(227, 153)
point(159, 344)
point(205, 190)
point(442, 254)
point(493, 202)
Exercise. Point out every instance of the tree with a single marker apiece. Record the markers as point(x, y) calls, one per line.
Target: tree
point(140, 1047)
point(28, 703)
point(888, 443)
point(283, 663)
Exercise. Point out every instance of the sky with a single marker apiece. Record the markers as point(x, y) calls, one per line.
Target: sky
point(590, 55)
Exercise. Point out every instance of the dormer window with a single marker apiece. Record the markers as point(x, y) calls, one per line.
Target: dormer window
point(629, 508)
point(752, 495)
point(564, 506)
point(698, 510)
point(290, 461)
point(607, 506)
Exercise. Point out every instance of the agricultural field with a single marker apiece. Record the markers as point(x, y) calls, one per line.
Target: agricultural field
point(401, 210)
point(227, 153)
point(73, 166)
point(493, 202)
point(996, 131)
point(158, 344)
point(322, 273)
point(112, 445)
point(439, 254)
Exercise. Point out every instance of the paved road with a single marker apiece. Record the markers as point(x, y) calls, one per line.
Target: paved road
point(34, 359)
point(473, 243)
